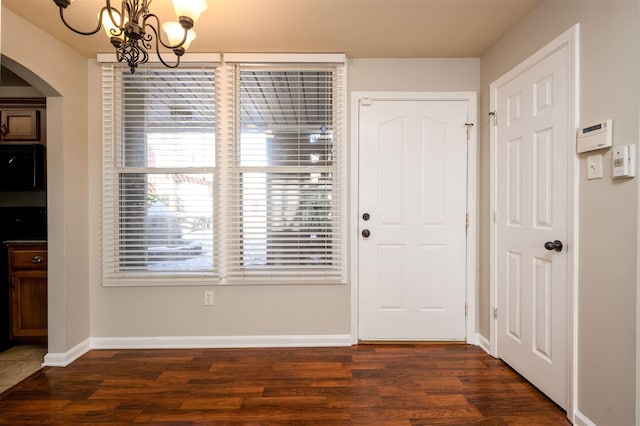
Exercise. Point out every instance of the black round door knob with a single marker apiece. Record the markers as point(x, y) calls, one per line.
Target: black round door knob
point(553, 245)
point(366, 233)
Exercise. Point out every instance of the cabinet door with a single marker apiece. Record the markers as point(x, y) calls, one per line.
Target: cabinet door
point(28, 304)
point(20, 125)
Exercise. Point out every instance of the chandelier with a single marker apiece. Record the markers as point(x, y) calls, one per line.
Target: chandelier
point(134, 30)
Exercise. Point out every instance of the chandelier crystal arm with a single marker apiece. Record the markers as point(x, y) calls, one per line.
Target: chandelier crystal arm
point(133, 54)
point(157, 34)
point(118, 22)
point(167, 64)
point(135, 10)
point(179, 51)
point(64, 21)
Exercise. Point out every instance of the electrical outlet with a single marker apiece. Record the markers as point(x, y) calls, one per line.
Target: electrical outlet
point(208, 298)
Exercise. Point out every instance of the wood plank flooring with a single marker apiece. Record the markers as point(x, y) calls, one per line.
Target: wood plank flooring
point(360, 385)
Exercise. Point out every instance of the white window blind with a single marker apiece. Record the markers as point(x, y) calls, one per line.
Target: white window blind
point(285, 173)
point(159, 177)
point(235, 174)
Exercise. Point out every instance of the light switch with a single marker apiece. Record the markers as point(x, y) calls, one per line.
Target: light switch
point(594, 166)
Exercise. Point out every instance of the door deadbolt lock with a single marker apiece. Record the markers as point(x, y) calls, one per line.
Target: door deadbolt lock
point(366, 216)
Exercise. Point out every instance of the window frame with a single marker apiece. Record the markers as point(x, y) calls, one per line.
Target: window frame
point(227, 134)
point(113, 172)
point(334, 272)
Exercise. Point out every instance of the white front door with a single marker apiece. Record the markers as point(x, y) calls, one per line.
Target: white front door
point(532, 220)
point(412, 214)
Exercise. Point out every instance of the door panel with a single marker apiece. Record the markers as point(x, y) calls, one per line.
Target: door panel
point(542, 320)
point(514, 296)
point(532, 197)
point(392, 279)
point(412, 183)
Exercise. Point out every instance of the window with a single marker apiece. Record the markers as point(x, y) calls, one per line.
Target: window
point(234, 174)
point(159, 171)
point(286, 173)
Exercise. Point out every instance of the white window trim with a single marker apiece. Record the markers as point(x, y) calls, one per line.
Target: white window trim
point(211, 59)
point(300, 58)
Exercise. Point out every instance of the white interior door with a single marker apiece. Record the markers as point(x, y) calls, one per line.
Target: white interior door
point(533, 205)
point(412, 219)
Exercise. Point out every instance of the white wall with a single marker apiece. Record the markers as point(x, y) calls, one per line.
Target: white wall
point(270, 310)
point(610, 66)
point(60, 73)
point(393, 74)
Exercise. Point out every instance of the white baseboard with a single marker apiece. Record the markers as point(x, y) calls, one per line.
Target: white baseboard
point(484, 343)
point(66, 358)
point(472, 339)
point(185, 342)
point(582, 420)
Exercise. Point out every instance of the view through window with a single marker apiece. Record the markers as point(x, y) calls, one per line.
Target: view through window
point(286, 169)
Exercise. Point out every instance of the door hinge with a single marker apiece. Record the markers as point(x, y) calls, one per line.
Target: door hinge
point(495, 313)
point(494, 114)
point(466, 221)
point(466, 309)
point(469, 126)
point(496, 219)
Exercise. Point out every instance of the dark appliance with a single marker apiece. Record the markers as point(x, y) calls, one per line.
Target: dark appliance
point(16, 223)
point(22, 167)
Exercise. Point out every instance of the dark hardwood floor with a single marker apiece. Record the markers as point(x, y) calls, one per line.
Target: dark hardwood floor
point(436, 384)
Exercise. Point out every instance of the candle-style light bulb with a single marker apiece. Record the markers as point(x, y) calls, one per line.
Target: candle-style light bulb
point(190, 8)
point(175, 34)
point(108, 24)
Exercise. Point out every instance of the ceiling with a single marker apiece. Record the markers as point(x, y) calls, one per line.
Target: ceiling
point(358, 28)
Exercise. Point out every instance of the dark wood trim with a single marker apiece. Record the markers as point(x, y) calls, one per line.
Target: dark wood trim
point(23, 102)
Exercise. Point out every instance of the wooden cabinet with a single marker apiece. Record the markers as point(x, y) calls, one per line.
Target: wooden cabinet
point(22, 120)
point(28, 291)
point(20, 125)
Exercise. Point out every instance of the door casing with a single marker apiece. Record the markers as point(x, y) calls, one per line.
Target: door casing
point(472, 199)
point(569, 39)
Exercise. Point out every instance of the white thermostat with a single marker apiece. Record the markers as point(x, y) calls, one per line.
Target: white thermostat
point(595, 136)
point(624, 161)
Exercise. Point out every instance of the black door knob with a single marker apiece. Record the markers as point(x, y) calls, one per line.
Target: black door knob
point(366, 233)
point(553, 245)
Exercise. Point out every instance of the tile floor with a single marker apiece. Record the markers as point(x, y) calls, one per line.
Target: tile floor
point(18, 363)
